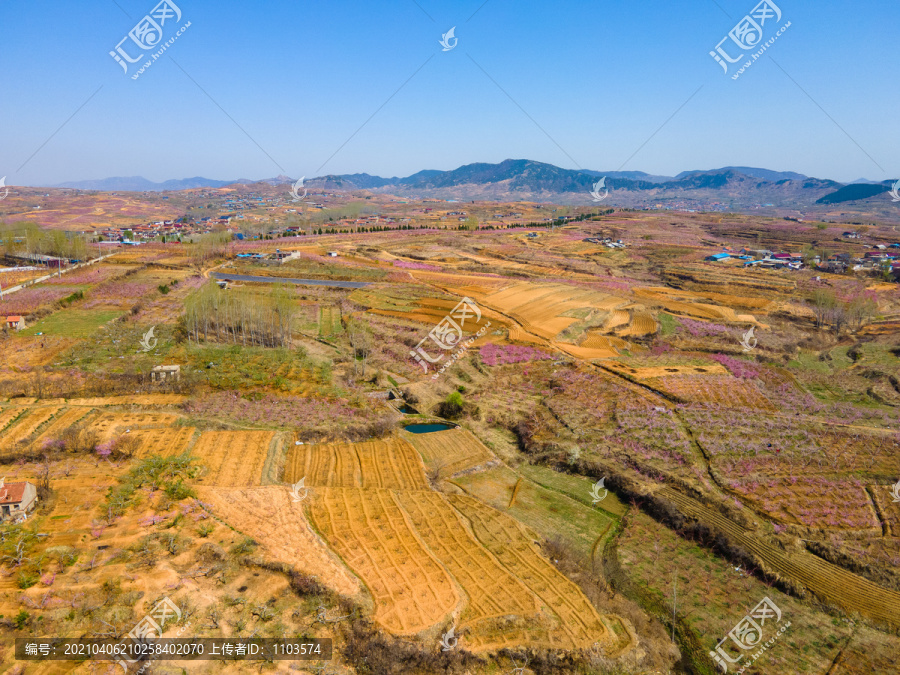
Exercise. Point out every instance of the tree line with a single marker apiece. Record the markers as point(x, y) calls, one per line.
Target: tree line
point(240, 315)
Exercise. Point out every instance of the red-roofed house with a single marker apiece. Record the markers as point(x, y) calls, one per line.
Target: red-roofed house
point(15, 322)
point(16, 498)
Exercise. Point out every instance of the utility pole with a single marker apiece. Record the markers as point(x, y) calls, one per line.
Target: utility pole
point(674, 603)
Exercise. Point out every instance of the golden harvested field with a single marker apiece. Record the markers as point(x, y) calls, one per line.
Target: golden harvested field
point(27, 424)
point(576, 623)
point(491, 591)
point(761, 304)
point(594, 340)
point(7, 415)
point(144, 400)
point(233, 458)
point(722, 389)
point(65, 420)
point(164, 442)
point(21, 350)
point(642, 323)
point(644, 373)
point(451, 451)
point(271, 516)
point(391, 463)
point(411, 589)
point(112, 424)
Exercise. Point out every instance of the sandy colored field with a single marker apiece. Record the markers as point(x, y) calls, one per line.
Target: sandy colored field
point(721, 389)
point(451, 451)
point(491, 591)
point(233, 458)
point(411, 589)
point(271, 516)
point(164, 442)
point(64, 420)
point(21, 350)
point(391, 463)
point(7, 415)
point(662, 293)
point(145, 399)
point(109, 425)
point(664, 371)
point(594, 340)
point(27, 424)
point(577, 623)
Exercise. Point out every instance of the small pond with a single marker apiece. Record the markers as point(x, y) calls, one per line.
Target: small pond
point(428, 428)
point(407, 409)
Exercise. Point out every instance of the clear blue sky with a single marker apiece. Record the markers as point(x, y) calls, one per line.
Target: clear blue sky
point(300, 78)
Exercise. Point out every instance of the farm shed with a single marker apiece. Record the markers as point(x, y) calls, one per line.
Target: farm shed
point(165, 373)
point(15, 322)
point(16, 498)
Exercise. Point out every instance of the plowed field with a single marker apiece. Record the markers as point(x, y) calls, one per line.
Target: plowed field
point(233, 458)
point(452, 451)
point(411, 590)
point(391, 463)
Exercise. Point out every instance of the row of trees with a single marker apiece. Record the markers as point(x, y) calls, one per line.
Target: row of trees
point(240, 315)
point(29, 239)
point(831, 310)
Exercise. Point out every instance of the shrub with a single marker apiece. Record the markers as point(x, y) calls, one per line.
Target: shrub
point(452, 407)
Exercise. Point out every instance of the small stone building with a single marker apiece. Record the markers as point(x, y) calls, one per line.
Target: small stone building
point(15, 322)
point(161, 374)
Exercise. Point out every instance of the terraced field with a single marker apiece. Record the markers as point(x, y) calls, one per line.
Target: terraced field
point(233, 458)
point(64, 420)
point(26, 425)
point(391, 463)
point(411, 589)
point(272, 517)
point(112, 424)
point(576, 623)
point(451, 451)
point(164, 442)
point(830, 583)
point(491, 591)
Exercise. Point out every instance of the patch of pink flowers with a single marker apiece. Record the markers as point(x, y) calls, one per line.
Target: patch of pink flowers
point(738, 367)
point(405, 264)
point(494, 355)
point(703, 328)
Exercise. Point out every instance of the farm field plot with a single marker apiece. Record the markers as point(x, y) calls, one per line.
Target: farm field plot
point(829, 582)
point(451, 451)
point(889, 509)
point(663, 293)
point(578, 488)
point(391, 463)
point(72, 323)
point(271, 516)
point(329, 321)
point(594, 340)
point(111, 424)
point(647, 372)
point(233, 458)
point(27, 424)
point(813, 501)
point(550, 513)
point(8, 415)
point(64, 420)
point(144, 400)
point(716, 389)
point(578, 624)
point(35, 351)
point(411, 589)
point(164, 442)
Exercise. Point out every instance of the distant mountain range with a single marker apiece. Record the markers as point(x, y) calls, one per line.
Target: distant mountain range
point(732, 187)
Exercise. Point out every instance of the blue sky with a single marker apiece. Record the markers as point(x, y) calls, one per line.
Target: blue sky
point(255, 90)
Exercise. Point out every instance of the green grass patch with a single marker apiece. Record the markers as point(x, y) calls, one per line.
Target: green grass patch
point(576, 487)
point(551, 514)
point(75, 323)
point(666, 324)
